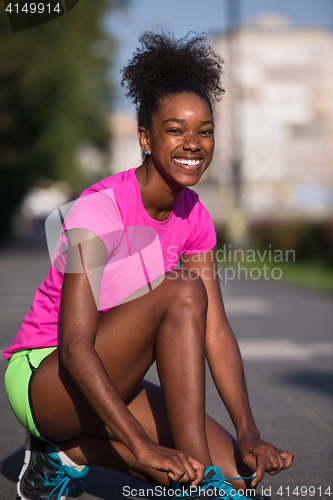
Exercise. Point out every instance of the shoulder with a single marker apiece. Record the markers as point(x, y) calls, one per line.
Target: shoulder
point(186, 203)
point(113, 182)
point(99, 206)
point(201, 232)
point(190, 196)
point(191, 206)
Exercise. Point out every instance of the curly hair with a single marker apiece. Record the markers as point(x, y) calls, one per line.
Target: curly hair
point(164, 66)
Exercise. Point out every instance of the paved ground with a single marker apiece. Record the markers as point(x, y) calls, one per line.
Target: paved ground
point(285, 334)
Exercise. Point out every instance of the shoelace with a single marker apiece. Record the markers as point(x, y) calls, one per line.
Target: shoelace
point(64, 487)
point(238, 478)
point(226, 481)
point(61, 481)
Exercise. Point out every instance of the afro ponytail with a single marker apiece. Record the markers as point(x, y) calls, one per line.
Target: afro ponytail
point(164, 66)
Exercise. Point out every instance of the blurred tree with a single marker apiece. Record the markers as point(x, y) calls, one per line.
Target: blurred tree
point(55, 94)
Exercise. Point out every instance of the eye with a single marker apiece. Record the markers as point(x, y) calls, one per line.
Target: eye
point(174, 131)
point(207, 132)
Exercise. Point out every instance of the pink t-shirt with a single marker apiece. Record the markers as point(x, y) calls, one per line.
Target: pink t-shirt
point(139, 250)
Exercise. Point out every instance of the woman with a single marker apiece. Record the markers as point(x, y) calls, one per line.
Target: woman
point(113, 303)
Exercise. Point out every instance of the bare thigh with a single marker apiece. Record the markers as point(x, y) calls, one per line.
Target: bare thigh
point(125, 342)
point(148, 406)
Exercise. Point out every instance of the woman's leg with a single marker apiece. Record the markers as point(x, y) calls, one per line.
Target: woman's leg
point(167, 324)
point(100, 447)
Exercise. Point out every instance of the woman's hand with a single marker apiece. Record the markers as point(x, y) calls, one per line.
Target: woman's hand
point(179, 465)
point(262, 457)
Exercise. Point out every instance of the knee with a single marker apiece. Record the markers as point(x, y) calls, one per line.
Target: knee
point(188, 290)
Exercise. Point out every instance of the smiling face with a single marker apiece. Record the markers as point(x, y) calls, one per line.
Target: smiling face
point(181, 139)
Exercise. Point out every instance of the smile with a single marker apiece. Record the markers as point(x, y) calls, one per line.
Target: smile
point(191, 163)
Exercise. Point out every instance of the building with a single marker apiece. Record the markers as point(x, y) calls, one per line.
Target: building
point(276, 119)
point(275, 123)
point(125, 145)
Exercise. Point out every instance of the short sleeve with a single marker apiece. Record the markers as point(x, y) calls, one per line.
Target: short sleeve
point(98, 213)
point(95, 211)
point(203, 234)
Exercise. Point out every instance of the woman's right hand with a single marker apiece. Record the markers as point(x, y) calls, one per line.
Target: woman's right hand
point(179, 465)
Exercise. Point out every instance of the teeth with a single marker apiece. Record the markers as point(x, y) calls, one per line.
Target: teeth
point(188, 162)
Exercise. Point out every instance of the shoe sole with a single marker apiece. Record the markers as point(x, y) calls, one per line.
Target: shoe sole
point(27, 457)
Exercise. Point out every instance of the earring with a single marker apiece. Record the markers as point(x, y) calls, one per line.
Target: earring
point(147, 153)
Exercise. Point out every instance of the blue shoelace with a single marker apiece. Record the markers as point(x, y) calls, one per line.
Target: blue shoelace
point(64, 475)
point(60, 481)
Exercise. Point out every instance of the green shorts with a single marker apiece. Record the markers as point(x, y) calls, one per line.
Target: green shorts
point(20, 370)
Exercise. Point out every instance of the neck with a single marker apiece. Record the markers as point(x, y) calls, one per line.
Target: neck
point(157, 195)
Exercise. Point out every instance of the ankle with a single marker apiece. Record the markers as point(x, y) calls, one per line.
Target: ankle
point(71, 457)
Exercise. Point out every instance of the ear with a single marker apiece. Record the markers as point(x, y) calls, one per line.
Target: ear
point(144, 139)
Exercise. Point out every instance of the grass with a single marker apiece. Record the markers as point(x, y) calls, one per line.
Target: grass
point(312, 274)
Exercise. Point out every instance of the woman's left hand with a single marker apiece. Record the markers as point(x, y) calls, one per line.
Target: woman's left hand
point(262, 457)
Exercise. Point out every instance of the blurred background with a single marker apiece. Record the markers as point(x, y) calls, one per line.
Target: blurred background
point(65, 124)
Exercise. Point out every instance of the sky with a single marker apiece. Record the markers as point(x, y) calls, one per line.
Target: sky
point(209, 16)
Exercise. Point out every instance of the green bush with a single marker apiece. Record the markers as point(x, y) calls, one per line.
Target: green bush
point(312, 241)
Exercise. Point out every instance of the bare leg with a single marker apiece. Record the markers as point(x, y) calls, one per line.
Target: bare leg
point(167, 324)
point(100, 447)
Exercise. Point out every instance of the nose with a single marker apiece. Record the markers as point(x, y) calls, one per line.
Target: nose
point(191, 142)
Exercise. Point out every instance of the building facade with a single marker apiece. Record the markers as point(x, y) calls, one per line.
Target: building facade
point(276, 121)
point(274, 125)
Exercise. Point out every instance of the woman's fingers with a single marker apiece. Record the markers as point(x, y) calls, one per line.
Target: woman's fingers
point(185, 468)
point(263, 457)
point(288, 458)
point(179, 465)
point(284, 461)
point(275, 462)
point(181, 469)
point(194, 469)
point(199, 468)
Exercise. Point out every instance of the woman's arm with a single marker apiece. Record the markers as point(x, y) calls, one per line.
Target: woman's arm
point(79, 322)
point(79, 319)
point(226, 367)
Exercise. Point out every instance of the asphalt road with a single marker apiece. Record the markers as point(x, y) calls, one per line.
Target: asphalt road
point(285, 335)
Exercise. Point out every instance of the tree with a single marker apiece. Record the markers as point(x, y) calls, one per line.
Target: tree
point(55, 94)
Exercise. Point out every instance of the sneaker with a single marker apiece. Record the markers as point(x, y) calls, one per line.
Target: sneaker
point(43, 475)
point(212, 487)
